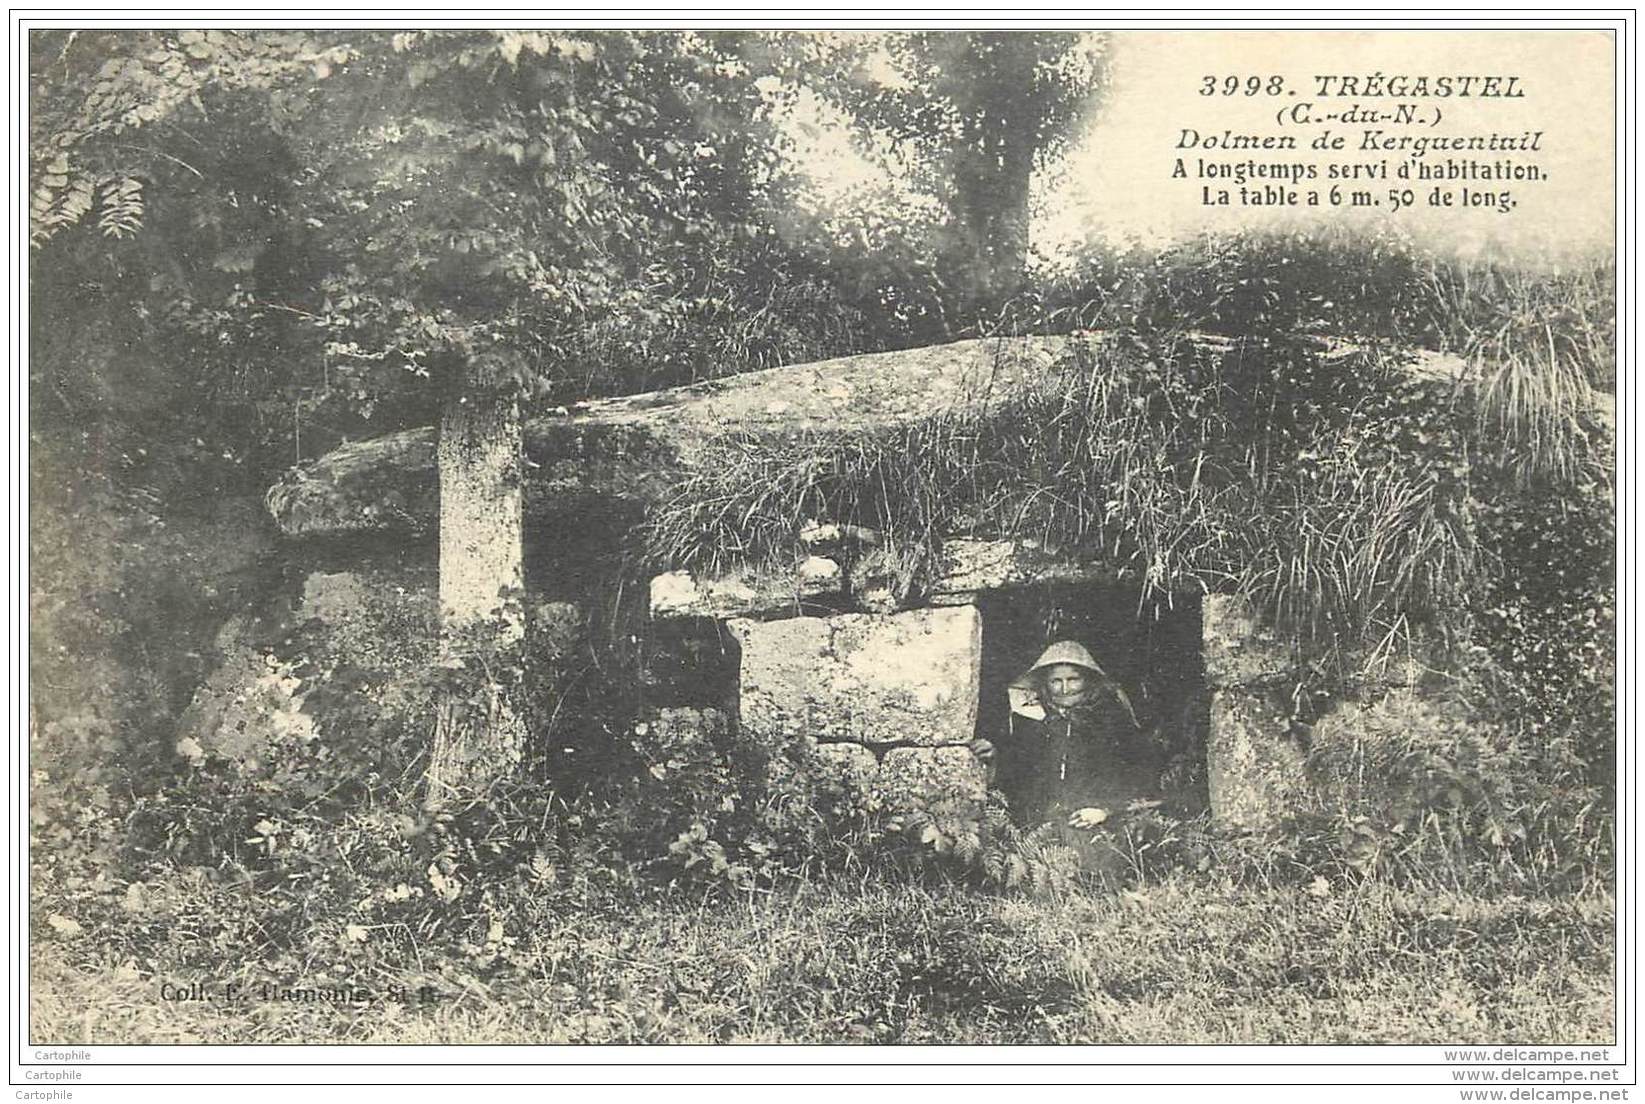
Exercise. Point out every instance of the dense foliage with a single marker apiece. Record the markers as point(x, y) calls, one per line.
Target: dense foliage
point(580, 214)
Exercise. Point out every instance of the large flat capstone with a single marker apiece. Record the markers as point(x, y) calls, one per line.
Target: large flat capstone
point(638, 447)
point(877, 680)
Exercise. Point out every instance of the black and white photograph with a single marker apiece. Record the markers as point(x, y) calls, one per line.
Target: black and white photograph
point(596, 535)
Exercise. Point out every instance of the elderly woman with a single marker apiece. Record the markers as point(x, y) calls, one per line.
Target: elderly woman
point(1074, 754)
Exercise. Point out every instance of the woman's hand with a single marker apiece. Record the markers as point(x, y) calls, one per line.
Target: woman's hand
point(982, 749)
point(1088, 817)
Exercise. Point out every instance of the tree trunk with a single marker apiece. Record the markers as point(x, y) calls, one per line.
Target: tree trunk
point(1009, 238)
point(479, 733)
point(992, 188)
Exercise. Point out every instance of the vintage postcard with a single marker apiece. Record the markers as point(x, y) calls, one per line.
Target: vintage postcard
point(608, 537)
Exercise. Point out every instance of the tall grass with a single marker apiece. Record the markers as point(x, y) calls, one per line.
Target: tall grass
point(1542, 351)
point(1258, 467)
point(1540, 343)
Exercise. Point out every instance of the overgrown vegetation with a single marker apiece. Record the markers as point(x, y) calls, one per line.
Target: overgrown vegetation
point(1328, 488)
point(677, 896)
point(1351, 497)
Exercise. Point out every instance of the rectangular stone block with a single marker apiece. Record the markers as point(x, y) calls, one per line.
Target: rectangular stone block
point(746, 592)
point(874, 679)
point(969, 567)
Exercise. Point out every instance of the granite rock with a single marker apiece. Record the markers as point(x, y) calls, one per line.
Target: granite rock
point(872, 679)
point(1254, 768)
point(1239, 649)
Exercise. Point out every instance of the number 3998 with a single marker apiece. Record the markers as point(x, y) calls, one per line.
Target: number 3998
point(1242, 86)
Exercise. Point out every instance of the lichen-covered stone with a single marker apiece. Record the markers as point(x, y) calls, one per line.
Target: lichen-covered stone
point(833, 535)
point(679, 594)
point(876, 581)
point(1254, 768)
point(969, 566)
point(819, 575)
point(778, 680)
point(637, 447)
point(866, 678)
point(1239, 649)
point(749, 591)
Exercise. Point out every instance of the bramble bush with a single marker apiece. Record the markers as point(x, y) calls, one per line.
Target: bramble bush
point(1422, 787)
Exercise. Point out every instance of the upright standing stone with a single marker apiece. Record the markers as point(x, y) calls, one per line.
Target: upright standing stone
point(1253, 766)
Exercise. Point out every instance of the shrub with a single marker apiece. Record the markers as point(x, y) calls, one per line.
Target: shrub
point(1426, 789)
point(126, 595)
point(1545, 618)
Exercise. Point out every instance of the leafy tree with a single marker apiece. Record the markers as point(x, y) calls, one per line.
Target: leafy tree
point(975, 115)
point(451, 214)
point(509, 194)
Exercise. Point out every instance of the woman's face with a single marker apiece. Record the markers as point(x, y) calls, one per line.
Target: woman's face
point(1066, 686)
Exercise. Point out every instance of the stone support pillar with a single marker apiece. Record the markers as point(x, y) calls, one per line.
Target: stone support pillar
point(1253, 765)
